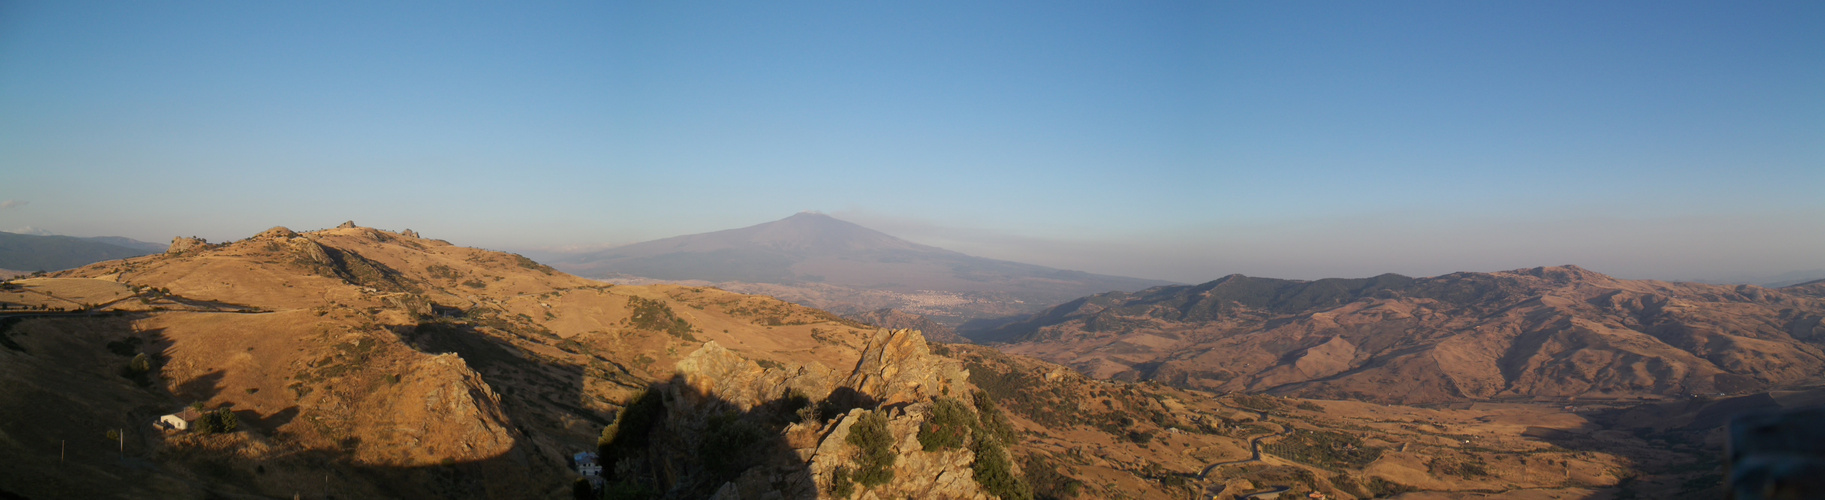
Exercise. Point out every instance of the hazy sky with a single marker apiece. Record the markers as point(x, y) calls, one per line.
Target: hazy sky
point(1181, 141)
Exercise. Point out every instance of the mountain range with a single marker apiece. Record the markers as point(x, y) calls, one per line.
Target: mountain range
point(37, 252)
point(818, 260)
point(1544, 333)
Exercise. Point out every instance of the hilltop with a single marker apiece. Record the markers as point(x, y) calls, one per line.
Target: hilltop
point(1542, 333)
point(818, 260)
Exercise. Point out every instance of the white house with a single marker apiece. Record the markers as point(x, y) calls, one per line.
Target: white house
point(586, 464)
point(177, 422)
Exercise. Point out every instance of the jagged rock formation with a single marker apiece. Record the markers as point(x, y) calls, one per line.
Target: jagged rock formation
point(717, 391)
point(897, 367)
point(1548, 332)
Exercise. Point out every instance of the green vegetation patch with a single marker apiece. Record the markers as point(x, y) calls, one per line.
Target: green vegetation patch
point(728, 445)
point(632, 430)
point(655, 316)
point(1334, 450)
point(1467, 468)
point(1049, 479)
point(949, 425)
point(995, 472)
point(219, 421)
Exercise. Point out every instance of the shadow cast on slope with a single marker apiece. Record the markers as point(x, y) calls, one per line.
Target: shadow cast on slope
point(1671, 449)
point(676, 441)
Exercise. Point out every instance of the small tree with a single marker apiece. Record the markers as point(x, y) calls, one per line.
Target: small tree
point(875, 465)
point(949, 426)
point(995, 472)
point(139, 369)
point(219, 421)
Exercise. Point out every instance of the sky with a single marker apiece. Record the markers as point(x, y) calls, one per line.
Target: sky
point(1171, 140)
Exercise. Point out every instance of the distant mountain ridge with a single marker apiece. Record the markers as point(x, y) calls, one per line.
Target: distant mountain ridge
point(32, 252)
point(1532, 333)
point(839, 265)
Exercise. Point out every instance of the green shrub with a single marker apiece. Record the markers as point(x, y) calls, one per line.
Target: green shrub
point(1048, 479)
point(995, 472)
point(125, 347)
point(139, 369)
point(1139, 437)
point(1385, 488)
point(726, 448)
point(993, 421)
point(841, 486)
point(628, 436)
point(949, 426)
point(627, 490)
point(875, 465)
point(219, 421)
point(655, 316)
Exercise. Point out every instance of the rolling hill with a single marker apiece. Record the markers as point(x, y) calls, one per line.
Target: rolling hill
point(1543, 333)
point(818, 260)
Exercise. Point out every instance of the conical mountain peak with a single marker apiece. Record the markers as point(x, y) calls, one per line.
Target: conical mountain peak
point(812, 247)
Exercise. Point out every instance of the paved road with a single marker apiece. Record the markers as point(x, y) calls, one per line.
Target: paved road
point(1254, 446)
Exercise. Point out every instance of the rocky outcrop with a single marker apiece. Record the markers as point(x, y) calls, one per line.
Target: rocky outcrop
point(898, 378)
point(917, 473)
point(897, 366)
point(347, 225)
point(438, 410)
point(409, 233)
point(183, 244)
point(714, 371)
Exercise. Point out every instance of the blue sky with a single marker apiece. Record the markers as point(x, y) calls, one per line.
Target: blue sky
point(1182, 141)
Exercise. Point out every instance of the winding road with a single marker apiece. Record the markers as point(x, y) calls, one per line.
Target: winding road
point(1254, 446)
